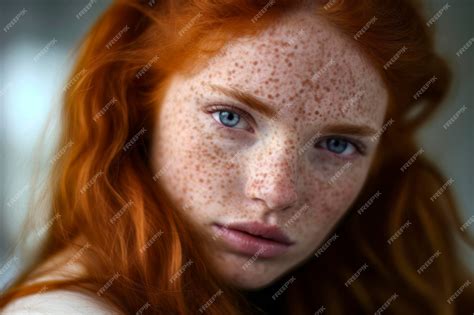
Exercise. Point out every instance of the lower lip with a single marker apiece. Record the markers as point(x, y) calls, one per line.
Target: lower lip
point(250, 245)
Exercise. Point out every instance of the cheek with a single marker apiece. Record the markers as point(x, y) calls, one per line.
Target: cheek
point(329, 200)
point(193, 164)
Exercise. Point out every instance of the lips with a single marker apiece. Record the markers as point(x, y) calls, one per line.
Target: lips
point(254, 238)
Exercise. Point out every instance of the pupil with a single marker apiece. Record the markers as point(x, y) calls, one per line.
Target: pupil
point(228, 118)
point(337, 145)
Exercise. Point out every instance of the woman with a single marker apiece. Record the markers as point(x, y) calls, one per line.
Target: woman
point(242, 157)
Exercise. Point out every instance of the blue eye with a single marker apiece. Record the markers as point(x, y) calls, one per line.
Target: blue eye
point(230, 116)
point(339, 146)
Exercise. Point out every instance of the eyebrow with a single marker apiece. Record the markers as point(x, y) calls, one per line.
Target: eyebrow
point(248, 99)
point(261, 107)
point(356, 130)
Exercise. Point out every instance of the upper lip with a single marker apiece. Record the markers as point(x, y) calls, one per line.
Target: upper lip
point(271, 232)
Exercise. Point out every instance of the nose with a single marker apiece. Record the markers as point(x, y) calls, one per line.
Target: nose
point(272, 176)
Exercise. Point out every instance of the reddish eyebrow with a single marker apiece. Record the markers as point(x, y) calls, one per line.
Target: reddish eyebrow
point(350, 129)
point(248, 99)
point(253, 102)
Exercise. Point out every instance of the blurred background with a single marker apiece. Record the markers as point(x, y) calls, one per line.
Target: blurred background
point(38, 40)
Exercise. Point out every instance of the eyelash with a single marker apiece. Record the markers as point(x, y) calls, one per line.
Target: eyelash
point(231, 108)
point(358, 145)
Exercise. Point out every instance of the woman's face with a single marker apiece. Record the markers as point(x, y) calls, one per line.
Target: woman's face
point(296, 164)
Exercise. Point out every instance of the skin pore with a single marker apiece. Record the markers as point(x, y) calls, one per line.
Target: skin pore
point(299, 168)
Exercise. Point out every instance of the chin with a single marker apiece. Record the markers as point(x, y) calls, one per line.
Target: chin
point(250, 281)
point(252, 285)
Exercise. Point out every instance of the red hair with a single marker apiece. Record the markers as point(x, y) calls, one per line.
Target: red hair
point(127, 58)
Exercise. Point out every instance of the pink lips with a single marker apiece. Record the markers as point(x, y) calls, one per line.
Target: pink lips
point(254, 238)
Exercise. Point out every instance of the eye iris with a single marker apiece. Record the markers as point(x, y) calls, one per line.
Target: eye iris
point(337, 145)
point(229, 119)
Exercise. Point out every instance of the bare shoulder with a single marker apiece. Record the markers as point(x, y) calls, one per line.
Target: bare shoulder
point(59, 302)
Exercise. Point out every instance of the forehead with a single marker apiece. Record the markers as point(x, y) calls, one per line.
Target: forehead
point(303, 65)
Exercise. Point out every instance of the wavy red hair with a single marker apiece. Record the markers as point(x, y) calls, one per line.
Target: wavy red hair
point(153, 31)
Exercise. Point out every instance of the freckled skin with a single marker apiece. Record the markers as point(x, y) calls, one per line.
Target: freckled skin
point(257, 170)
